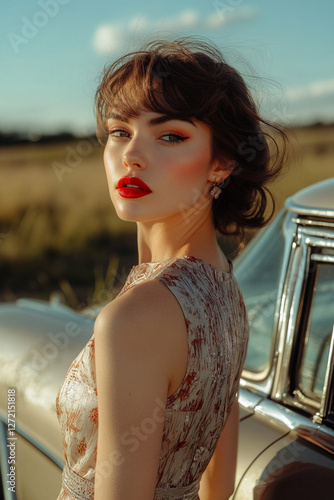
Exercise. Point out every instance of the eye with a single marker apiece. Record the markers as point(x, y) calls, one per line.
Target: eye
point(118, 133)
point(173, 138)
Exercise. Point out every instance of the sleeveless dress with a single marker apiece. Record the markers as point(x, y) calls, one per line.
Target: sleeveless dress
point(217, 326)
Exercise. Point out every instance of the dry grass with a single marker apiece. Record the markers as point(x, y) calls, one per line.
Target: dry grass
point(47, 212)
point(312, 160)
point(43, 207)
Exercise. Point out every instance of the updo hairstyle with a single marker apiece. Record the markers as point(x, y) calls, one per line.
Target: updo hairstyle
point(191, 79)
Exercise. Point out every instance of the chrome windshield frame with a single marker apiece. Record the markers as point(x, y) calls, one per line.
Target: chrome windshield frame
point(301, 243)
point(303, 256)
point(261, 382)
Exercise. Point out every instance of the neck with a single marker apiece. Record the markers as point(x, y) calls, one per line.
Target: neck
point(190, 232)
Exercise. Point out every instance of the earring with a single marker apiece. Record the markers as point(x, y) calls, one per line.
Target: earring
point(216, 189)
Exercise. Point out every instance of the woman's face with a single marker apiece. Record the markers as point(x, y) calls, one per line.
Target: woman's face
point(171, 156)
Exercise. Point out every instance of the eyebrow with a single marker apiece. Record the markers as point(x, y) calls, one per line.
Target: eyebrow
point(153, 121)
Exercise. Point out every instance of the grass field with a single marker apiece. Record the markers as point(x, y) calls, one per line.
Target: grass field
point(58, 228)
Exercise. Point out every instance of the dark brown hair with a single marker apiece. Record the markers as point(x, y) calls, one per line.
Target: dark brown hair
point(190, 79)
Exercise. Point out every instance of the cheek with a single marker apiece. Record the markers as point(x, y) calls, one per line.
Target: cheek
point(110, 174)
point(106, 159)
point(194, 168)
point(187, 180)
point(109, 166)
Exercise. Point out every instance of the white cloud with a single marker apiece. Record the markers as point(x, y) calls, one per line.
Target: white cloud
point(187, 19)
point(111, 37)
point(139, 22)
point(320, 88)
point(108, 38)
point(309, 103)
point(221, 18)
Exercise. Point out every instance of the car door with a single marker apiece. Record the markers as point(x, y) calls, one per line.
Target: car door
point(297, 416)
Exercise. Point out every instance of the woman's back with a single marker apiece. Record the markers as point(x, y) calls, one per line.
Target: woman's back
point(217, 327)
point(163, 367)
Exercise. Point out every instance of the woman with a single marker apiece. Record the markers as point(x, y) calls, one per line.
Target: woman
point(148, 409)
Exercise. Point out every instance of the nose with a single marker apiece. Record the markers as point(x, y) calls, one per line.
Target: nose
point(134, 156)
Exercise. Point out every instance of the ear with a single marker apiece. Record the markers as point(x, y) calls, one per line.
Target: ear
point(220, 170)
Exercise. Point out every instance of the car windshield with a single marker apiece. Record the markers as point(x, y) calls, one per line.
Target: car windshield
point(258, 272)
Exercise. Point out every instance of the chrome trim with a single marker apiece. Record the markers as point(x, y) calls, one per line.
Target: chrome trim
point(312, 222)
point(322, 437)
point(299, 242)
point(300, 425)
point(261, 382)
point(324, 405)
point(317, 233)
point(257, 380)
point(34, 442)
point(316, 242)
point(303, 402)
point(282, 416)
point(301, 209)
point(316, 199)
point(297, 278)
point(248, 400)
point(293, 313)
point(290, 307)
point(255, 384)
point(317, 212)
point(327, 259)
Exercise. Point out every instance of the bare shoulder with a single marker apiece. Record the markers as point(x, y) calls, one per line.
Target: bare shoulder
point(146, 306)
point(148, 320)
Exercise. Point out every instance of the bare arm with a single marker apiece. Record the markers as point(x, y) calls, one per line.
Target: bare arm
point(217, 482)
point(136, 342)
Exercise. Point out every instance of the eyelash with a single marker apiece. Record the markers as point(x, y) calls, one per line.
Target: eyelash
point(112, 132)
point(179, 138)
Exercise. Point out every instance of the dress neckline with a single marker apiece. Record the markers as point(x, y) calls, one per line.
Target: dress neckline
point(190, 258)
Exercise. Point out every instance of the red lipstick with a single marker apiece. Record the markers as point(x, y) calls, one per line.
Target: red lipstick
point(132, 187)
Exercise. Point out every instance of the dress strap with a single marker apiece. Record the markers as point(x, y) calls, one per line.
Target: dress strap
point(79, 487)
point(189, 492)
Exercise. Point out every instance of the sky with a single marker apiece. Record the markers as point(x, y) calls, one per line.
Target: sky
point(52, 53)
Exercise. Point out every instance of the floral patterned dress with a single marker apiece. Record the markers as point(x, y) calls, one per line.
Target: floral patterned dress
point(216, 319)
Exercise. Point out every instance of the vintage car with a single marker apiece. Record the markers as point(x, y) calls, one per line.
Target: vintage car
point(286, 441)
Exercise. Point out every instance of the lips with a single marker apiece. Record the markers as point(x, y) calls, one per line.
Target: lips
point(132, 187)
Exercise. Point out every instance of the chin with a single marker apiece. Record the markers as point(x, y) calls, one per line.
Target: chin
point(136, 212)
point(127, 218)
point(130, 215)
point(136, 215)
